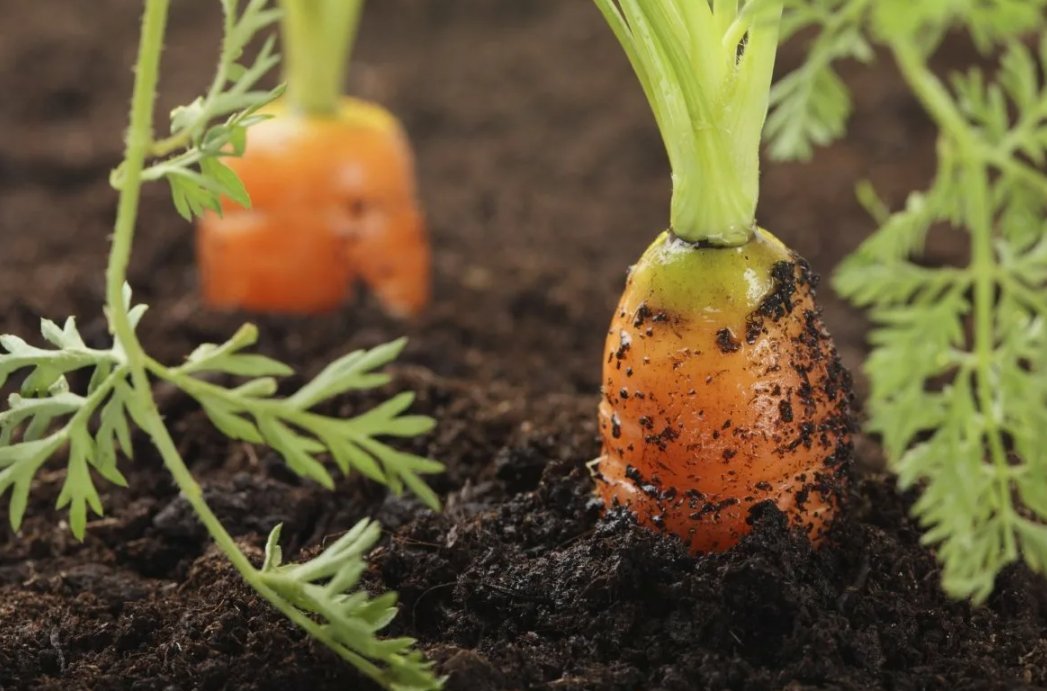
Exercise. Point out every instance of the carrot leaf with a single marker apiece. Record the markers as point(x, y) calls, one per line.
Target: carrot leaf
point(810, 106)
point(958, 369)
point(214, 125)
point(47, 417)
point(292, 427)
point(82, 402)
point(327, 587)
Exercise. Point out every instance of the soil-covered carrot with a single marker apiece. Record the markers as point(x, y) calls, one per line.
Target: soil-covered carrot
point(331, 180)
point(721, 386)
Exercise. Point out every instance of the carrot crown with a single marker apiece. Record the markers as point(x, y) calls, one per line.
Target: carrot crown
point(706, 67)
point(318, 37)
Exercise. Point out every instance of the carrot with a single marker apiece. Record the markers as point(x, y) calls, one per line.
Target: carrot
point(721, 387)
point(331, 180)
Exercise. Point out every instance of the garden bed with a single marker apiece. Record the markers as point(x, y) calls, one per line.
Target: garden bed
point(543, 177)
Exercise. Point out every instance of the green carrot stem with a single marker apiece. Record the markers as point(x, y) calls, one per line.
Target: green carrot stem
point(706, 70)
point(318, 38)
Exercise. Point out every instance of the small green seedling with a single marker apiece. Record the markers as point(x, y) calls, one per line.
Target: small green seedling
point(93, 428)
point(959, 362)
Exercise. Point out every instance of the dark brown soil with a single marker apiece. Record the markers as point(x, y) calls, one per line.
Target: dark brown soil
point(543, 178)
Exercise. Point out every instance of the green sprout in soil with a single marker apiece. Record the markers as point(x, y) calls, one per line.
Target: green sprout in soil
point(93, 429)
point(959, 363)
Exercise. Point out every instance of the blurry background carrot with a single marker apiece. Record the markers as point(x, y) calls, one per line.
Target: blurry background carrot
point(721, 386)
point(331, 181)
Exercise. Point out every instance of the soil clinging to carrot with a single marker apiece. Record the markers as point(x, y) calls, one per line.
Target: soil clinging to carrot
point(539, 192)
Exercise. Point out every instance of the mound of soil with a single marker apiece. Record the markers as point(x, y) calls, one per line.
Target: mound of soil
point(544, 178)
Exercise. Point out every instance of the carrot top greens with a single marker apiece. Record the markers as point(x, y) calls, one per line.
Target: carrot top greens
point(318, 36)
point(958, 370)
point(81, 401)
point(706, 67)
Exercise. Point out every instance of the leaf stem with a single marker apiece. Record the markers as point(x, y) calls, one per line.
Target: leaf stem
point(932, 93)
point(139, 141)
point(1006, 163)
point(199, 388)
point(1032, 298)
point(979, 211)
point(318, 37)
point(90, 403)
point(984, 268)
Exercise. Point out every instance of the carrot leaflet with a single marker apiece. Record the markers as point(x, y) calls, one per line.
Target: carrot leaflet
point(327, 586)
point(251, 412)
point(811, 105)
point(32, 428)
point(214, 126)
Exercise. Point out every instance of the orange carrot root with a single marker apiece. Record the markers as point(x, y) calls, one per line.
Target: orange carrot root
point(333, 204)
point(721, 390)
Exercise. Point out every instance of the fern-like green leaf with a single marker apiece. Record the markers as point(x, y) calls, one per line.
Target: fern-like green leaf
point(348, 619)
point(253, 413)
point(958, 371)
point(810, 106)
point(47, 416)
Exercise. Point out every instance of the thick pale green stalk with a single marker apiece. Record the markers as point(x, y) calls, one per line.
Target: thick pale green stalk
point(744, 122)
point(318, 37)
point(710, 104)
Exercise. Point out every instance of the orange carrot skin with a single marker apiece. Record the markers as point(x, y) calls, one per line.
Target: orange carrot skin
point(333, 204)
point(722, 389)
